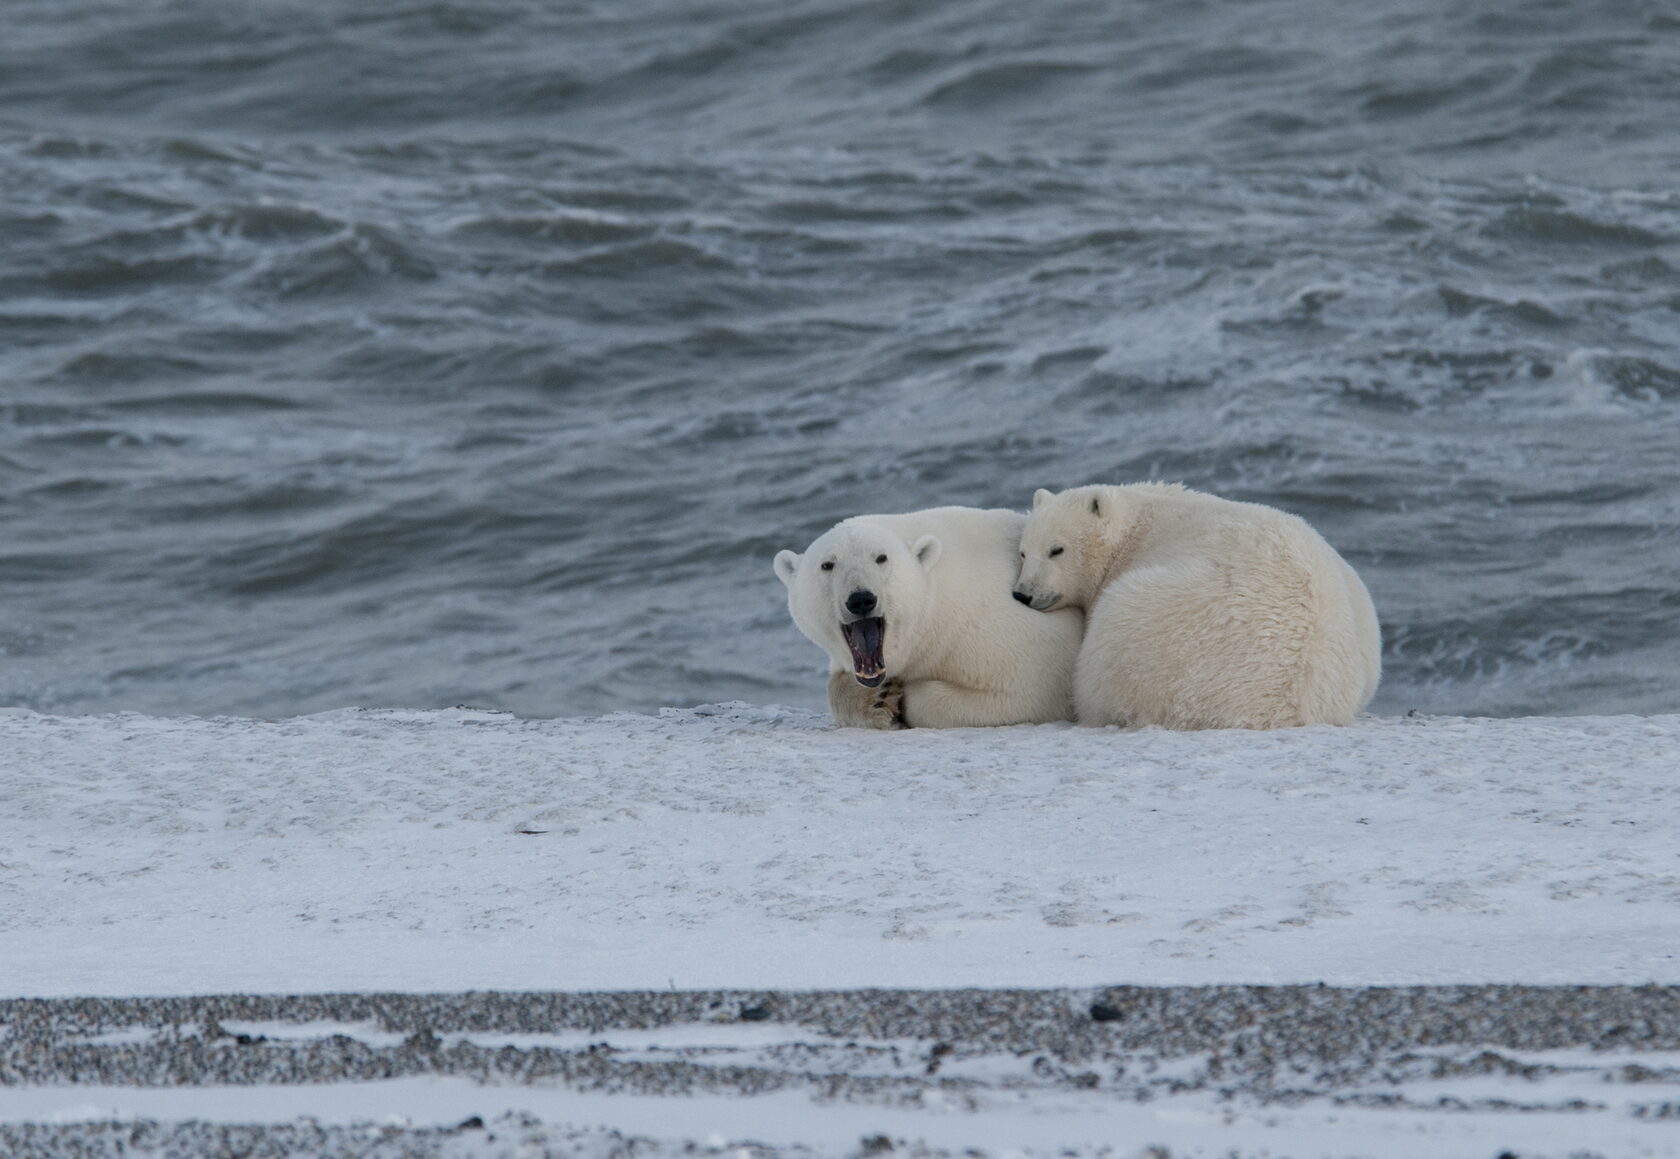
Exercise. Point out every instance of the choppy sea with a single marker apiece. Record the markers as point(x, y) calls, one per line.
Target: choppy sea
point(379, 352)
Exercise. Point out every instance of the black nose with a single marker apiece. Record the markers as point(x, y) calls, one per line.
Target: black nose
point(861, 602)
point(1022, 596)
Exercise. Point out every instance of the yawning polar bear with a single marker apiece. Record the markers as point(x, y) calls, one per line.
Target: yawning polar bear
point(915, 614)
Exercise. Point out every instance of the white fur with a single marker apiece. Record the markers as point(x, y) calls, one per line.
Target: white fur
point(1201, 612)
point(965, 651)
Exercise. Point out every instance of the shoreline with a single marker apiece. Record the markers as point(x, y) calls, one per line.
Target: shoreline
point(741, 846)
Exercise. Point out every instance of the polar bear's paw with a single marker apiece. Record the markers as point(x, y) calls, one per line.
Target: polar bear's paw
point(889, 702)
point(855, 706)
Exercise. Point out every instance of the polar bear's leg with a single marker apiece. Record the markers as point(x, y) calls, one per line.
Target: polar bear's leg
point(941, 704)
point(1098, 694)
point(1199, 644)
point(1156, 652)
point(855, 706)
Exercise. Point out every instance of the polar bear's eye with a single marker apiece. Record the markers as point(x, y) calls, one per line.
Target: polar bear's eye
point(1054, 552)
point(828, 565)
point(881, 559)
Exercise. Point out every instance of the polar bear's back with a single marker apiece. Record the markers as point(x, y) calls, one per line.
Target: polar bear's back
point(1231, 615)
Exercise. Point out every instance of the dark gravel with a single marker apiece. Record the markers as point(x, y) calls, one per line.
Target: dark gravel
point(1284, 1044)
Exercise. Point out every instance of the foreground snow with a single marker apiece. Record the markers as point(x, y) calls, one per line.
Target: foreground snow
point(550, 1122)
point(737, 846)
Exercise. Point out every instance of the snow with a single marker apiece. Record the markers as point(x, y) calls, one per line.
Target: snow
point(735, 846)
point(744, 848)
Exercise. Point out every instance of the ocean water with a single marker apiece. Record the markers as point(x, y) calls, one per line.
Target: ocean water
point(375, 353)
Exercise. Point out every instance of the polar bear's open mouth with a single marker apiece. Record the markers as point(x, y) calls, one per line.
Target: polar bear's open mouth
point(866, 638)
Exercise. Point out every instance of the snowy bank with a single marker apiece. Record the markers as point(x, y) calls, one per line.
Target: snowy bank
point(743, 847)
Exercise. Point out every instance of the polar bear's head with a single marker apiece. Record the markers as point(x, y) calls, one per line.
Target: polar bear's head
point(1062, 548)
point(858, 592)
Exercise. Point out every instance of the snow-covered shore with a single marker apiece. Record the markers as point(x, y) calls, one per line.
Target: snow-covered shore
point(751, 847)
point(733, 878)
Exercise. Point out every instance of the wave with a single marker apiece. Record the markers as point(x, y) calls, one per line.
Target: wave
point(1560, 226)
point(361, 259)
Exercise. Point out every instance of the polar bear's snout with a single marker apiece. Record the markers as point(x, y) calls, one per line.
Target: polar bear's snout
point(861, 602)
point(1026, 592)
point(1030, 582)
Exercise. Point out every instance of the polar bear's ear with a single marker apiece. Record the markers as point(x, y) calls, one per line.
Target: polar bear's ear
point(1040, 496)
point(1096, 507)
point(926, 549)
point(787, 565)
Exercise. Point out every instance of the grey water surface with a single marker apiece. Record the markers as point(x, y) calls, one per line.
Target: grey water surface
point(385, 352)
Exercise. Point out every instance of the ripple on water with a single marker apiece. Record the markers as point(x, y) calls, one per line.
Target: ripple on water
point(1564, 227)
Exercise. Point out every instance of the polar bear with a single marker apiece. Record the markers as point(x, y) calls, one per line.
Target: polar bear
point(915, 615)
point(1200, 612)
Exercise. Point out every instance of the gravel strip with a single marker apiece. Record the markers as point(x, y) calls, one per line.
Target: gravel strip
point(1255, 1045)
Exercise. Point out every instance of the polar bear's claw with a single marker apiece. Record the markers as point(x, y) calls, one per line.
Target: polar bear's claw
point(889, 702)
point(855, 706)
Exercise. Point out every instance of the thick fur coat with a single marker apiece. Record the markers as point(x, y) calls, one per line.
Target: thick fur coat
point(1200, 612)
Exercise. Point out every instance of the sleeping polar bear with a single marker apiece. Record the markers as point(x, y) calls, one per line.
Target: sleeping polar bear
point(1200, 612)
point(915, 614)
